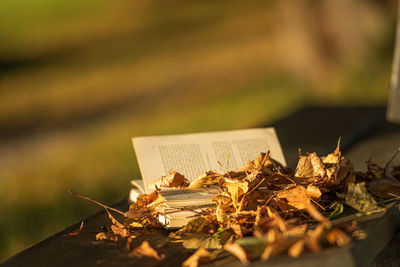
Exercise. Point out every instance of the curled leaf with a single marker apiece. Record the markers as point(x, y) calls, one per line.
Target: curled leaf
point(117, 227)
point(76, 231)
point(236, 188)
point(238, 251)
point(297, 248)
point(222, 217)
point(337, 208)
point(310, 166)
point(315, 214)
point(173, 180)
point(200, 256)
point(205, 180)
point(107, 236)
point(146, 250)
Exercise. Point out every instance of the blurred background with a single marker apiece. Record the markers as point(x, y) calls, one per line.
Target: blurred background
point(78, 79)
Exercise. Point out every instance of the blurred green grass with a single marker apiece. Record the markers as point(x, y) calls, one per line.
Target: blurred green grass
point(80, 78)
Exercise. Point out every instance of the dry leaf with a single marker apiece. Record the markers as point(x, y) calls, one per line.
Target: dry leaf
point(374, 170)
point(295, 232)
point(113, 220)
point(313, 237)
point(237, 229)
point(200, 256)
point(106, 236)
point(236, 188)
point(237, 251)
point(199, 224)
point(117, 227)
point(254, 246)
point(383, 188)
point(296, 197)
point(310, 166)
point(222, 217)
point(276, 246)
point(262, 206)
point(315, 214)
point(119, 231)
point(297, 248)
point(224, 202)
point(138, 212)
point(76, 231)
point(128, 244)
point(313, 192)
point(146, 250)
point(389, 168)
point(173, 180)
point(266, 219)
point(206, 179)
point(338, 237)
point(358, 198)
point(201, 241)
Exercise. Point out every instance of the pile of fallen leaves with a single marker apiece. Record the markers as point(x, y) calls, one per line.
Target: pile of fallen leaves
point(265, 209)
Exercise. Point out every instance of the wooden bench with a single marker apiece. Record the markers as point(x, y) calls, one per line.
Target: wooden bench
point(364, 133)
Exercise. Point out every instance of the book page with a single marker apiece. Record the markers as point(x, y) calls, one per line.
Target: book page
point(194, 154)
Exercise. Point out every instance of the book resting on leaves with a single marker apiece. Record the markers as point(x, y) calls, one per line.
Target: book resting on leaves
point(192, 155)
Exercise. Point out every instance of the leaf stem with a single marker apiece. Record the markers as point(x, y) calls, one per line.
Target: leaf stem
point(98, 203)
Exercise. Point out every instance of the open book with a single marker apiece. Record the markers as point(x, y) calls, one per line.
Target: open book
point(192, 155)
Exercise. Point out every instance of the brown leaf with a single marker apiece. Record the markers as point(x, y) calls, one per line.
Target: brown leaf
point(158, 201)
point(297, 248)
point(128, 244)
point(313, 237)
point(260, 160)
point(337, 168)
point(202, 241)
point(117, 228)
point(106, 236)
point(200, 256)
point(315, 214)
point(237, 229)
point(276, 245)
point(205, 180)
point(266, 219)
point(173, 180)
point(313, 192)
point(374, 170)
point(236, 188)
point(222, 217)
point(138, 212)
point(237, 251)
point(383, 188)
point(145, 250)
point(114, 221)
point(338, 237)
point(310, 166)
point(76, 231)
point(296, 196)
point(295, 232)
point(123, 232)
point(199, 224)
point(333, 168)
point(389, 167)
